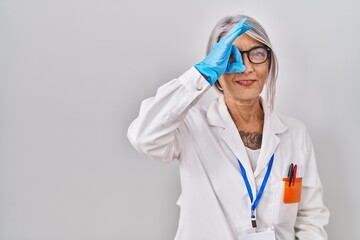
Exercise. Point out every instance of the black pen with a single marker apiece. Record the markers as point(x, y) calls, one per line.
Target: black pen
point(290, 174)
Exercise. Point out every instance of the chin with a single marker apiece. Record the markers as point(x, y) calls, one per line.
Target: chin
point(247, 97)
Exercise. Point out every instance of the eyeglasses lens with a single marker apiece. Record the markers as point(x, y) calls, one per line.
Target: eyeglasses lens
point(258, 55)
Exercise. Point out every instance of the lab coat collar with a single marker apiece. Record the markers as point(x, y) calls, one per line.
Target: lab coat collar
point(219, 116)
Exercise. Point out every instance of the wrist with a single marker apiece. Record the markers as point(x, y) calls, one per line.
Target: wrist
point(207, 73)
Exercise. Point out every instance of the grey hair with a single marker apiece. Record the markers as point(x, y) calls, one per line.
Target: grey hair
point(258, 33)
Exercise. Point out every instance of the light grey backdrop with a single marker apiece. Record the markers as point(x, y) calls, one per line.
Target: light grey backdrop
point(73, 74)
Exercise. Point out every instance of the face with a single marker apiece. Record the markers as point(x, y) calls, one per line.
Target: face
point(245, 86)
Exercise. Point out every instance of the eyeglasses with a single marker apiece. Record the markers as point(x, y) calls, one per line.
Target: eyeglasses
point(256, 55)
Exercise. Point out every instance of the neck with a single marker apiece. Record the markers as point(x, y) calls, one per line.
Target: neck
point(247, 115)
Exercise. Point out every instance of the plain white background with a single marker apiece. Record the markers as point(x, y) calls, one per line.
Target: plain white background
point(74, 72)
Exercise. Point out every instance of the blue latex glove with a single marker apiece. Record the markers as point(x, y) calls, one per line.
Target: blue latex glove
point(217, 62)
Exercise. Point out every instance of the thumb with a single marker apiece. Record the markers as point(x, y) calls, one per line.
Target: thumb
point(236, 64)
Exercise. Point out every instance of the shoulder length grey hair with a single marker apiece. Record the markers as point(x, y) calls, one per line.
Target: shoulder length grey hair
point(258, 33)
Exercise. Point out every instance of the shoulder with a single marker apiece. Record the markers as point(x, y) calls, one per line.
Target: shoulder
point(291, 122)
point(196, 114)
point(294, 126)
point(296, 136)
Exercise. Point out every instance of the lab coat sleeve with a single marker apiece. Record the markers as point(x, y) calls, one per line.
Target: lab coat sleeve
point(312, 213)
point(155, 132)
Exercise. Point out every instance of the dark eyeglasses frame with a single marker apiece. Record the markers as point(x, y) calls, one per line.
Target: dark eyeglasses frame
point(263, 47)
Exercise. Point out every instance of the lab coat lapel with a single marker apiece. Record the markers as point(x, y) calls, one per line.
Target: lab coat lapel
point(273, 126)
point(219, 116)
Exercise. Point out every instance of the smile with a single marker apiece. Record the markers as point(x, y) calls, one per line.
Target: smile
point(246, 83)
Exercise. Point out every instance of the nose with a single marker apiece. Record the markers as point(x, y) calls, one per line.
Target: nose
point(248, 65)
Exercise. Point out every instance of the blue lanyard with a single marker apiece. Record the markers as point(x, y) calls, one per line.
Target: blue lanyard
point(248, 187)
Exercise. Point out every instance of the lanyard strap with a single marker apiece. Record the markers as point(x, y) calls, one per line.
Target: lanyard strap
point(263, 185)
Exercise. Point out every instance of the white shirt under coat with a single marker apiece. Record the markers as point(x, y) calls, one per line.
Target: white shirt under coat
point(214, 202)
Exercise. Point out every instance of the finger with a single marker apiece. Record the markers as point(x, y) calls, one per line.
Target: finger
point(233, 31)
point(236, 53)
point(236, 27)
point(245, 28)
point(235, 68)
point(237, 65)
point(237, 33)
point(238, 30)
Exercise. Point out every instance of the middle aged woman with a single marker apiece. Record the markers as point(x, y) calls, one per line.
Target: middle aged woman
point(246, 171)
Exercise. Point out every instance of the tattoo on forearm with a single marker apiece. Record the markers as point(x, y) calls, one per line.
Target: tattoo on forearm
point(251, 140)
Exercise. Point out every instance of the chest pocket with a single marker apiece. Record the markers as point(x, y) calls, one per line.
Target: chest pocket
point(288, 197)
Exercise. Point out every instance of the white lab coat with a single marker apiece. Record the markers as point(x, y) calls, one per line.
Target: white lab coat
point(214, 202)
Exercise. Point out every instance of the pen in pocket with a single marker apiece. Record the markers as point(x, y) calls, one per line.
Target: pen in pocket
point(290, 173)
point(294, 173)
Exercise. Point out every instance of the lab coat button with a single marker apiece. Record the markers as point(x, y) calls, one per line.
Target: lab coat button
point(199, 88)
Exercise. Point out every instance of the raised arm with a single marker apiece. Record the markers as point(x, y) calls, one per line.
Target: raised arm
point(155, 131)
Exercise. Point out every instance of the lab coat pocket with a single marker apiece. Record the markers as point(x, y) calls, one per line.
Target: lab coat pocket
point(292, 190)
point(284, 213)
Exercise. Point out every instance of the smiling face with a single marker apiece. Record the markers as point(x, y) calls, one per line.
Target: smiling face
point(245, 86)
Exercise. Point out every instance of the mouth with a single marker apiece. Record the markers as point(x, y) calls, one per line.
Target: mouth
point(245, 83)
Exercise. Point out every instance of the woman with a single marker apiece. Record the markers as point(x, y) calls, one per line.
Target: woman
point(246, 171)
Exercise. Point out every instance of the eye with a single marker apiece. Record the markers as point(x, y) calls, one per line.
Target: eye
point(258, 53)
point(231, 58)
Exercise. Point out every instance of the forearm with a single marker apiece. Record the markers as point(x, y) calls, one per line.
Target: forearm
point(155, 131)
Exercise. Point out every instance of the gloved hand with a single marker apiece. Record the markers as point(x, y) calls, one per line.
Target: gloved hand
point(217, 62)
